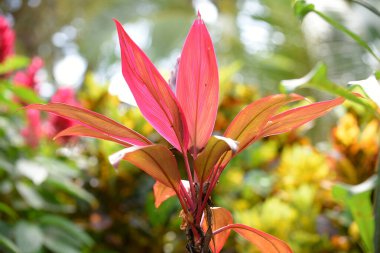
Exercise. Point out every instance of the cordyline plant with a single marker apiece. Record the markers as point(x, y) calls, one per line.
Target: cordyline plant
point(186, 118)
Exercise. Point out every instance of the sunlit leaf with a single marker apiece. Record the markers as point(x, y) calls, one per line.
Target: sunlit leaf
point(266, 243)
point(292, 119)
point(198, 85)
point(79, 130)
point(93, 120)
point(215, 148)
point(248, 124)
point(156, 160)
point(153, 95)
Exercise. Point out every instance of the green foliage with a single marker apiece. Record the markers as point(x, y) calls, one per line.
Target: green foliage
point(358, 200)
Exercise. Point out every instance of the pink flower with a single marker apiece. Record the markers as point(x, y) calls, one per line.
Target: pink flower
point(7, 39)
point(33, 132)
point(56, 124)
point(28, 77)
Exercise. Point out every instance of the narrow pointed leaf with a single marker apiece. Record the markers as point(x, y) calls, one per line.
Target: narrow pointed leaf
point(266, 243)
point(156, 160)
point(247, 125)
point(215, 148)
point(152, 94)
point(220, 217)
point(79, 130)
point(95, 121)
point(291, 119)
point(198, 85)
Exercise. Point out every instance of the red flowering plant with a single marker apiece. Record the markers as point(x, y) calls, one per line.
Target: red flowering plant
point(185, 118)
point(7, 38)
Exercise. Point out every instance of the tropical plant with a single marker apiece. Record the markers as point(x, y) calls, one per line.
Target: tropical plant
point(186, 118)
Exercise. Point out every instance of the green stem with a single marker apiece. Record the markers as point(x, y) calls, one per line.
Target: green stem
point(376, 238)
point(353, 35)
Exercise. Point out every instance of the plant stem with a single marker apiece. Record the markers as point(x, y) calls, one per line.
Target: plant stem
point(376, 239)
point(353, 35)
point(190, 177)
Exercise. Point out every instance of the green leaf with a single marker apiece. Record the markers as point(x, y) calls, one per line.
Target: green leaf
point(30, 195)
point(317, 78)
point(67, 226)
point(13, 63)
point(301, 8)
point(72, 189)
point(370, 86)
point(357, 199)
point(29, 237)
point(8, 210)
point(58, 243)
point(27, 95)
point(8, 245)
point(32, 170)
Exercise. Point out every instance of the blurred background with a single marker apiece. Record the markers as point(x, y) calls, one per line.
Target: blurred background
point(64, 196)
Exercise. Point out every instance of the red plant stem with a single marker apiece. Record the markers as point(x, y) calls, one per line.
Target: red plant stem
point(190, 177)
point(184, 198)
point(214, 178)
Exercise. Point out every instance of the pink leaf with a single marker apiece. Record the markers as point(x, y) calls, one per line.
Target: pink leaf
point(156, 160)
point(266, 243)
point(79, 130)
point(198, 85)
point(250, 121)
point(152, 94)
point(95, 121)
point(291, 119)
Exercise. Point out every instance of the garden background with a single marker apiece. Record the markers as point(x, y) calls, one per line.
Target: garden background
point(63, 195)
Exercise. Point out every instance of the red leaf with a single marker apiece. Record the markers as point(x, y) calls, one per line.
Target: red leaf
point(250, 121)
point(198, 85)
point(291, 119)
point(156, 160)
point(215, 148)
point(151, 92)
point(220, 217)
point(79, 130)
point(95, 121)
point(266, 243)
